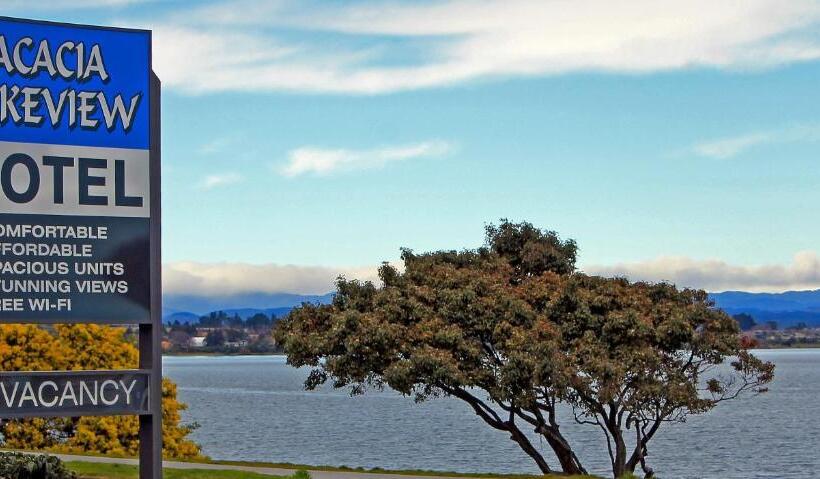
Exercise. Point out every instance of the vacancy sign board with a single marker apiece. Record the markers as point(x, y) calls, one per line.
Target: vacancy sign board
point(73, 393)
point(75, 212)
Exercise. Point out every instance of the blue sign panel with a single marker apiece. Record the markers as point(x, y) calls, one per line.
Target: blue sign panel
point(68, 85)
point(75, 173)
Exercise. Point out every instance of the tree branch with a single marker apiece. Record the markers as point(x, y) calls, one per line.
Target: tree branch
point(483, 410)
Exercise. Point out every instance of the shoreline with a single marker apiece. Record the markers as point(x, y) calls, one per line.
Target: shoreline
point(213, 354)
point(801, 347)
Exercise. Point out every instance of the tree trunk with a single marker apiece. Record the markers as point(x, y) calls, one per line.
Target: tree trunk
point(566, 457)
point(491, 418)
point(524, 443)
point(570, 464)
point(619, 468)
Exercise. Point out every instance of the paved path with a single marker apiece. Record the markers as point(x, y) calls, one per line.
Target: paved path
point(272, 471)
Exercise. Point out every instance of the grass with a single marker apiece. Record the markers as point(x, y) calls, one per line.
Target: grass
point(398, 472)
point(304, 467)
point(88, 470)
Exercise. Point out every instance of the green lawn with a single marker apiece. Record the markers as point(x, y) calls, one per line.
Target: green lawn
point(397, 472)
point(89, 470)
point(119, 471)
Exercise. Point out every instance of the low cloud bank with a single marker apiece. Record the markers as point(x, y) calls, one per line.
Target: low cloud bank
point(714, 275)
point(226, 279)
point(235, 279)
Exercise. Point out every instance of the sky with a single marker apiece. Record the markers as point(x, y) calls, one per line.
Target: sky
point(302, 139)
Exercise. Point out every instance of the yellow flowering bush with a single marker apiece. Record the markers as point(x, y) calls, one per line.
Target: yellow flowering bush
point(85, 347)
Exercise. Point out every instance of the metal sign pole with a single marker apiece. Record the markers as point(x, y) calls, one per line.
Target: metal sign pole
point(150, 335)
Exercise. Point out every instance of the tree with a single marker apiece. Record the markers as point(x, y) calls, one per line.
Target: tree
point(186, 327)
point(235, 321)
point(215, 339)
point(745, 321)
point(263, 344)
point(800, 326)
point(213, 320)
point(526, 341)
point(235, 335)
point(180, 338)
point(75, 348)
point(258, 322)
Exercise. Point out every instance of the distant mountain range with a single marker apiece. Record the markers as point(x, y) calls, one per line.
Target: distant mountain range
point(244, 313)
point(189, 308)
point(787, 308)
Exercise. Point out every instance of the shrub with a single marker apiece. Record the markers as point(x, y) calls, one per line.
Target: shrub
point(27, 347)
point(14, 465)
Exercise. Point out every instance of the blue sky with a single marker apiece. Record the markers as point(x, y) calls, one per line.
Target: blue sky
point(673, 142)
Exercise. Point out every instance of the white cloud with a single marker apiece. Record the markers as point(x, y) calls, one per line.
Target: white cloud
point(730, 147)
point(12, 5)
point(323, 161)
point(237, 46)
point(216, 145)
point(199, 60)
point(226, 279)
point(725, 148)
point(716, 275)
point(221, 179)
point(264, 45)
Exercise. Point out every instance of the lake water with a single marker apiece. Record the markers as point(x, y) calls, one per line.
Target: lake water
point(254, 408)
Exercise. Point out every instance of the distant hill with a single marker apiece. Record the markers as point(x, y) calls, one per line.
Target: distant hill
point(788, 308)
point(182, 317)
point(201, 305)
point(246, 313)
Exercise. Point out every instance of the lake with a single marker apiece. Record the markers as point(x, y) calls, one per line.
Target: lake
point(254, 408)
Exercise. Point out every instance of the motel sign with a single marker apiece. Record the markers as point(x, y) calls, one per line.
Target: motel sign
point(80, 212)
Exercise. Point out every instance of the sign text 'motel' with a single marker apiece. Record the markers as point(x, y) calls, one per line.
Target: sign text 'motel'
point(74, 178)
point(80, 212)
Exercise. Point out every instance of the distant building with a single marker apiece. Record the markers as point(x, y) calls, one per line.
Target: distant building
point(197, 342)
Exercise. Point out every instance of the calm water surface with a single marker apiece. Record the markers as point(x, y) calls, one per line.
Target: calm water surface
point(254, 408)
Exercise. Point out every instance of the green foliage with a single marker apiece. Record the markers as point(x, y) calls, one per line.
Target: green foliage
point(515, 320)
point(120, 471)
point(530, 251)
point(218, 319)
point(14, 465)
point(215, 338)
